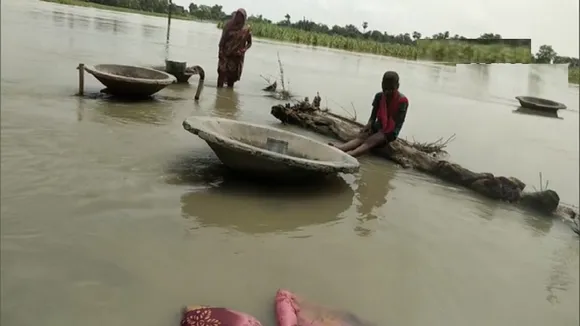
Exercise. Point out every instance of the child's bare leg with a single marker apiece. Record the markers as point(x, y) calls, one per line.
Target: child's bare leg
point(351, 144)
point(373, 141)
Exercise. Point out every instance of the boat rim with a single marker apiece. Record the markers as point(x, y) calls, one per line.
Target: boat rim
point(95, 71)
point(351, 164)
point(531, 99)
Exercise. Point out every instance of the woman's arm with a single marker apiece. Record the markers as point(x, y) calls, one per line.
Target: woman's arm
point(249, 41)
point(222, 40)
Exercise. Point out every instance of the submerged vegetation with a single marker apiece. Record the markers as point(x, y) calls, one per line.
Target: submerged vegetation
point(440, 47)
point(429, 49)
point(574, 75)
point(129, 9)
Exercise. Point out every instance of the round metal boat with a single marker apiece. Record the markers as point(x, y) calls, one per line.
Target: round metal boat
point(539, 104)
point(130, 81)
point(269, 151)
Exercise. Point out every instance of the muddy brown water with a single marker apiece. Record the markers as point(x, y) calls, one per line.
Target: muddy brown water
point(112, 214)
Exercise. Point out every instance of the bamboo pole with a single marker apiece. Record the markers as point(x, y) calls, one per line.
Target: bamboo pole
point(169, 10)
point(81, 69)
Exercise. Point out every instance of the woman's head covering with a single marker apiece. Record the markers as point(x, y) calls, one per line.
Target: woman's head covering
point(242, 12)
point(236, 24)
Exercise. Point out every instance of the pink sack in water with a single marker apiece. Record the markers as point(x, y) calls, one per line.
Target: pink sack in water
point(292, 310)
point(211, 316)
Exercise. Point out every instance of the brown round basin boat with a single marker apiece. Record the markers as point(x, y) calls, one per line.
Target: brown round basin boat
point(131, 81)
point(269, 151)
point(539, 104)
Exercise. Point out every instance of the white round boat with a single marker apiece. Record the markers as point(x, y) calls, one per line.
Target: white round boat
point(265, 150)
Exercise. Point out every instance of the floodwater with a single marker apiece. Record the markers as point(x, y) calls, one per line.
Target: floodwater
point(112, 214)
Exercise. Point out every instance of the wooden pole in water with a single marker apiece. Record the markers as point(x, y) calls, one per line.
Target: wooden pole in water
point(169, 9)
point(81, 69)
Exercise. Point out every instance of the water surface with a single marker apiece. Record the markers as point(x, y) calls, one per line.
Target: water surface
point(113, 214)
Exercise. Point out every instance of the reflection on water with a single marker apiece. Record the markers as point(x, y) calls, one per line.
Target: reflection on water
point(71, 20)
point(372, 192)
point(474, 79)
point(535, 81)
point(541, 225)
point(538, 113)
point(80, 109)
point(226, 103)
point(483, 72)
point(118, 26)
point(151, 111)
point(435, 74)
point(484, 210)
point(198, 169)
point(149, 30)
point(107, 25)
point(266, 207)
point(58, 17)
point(560, 279)
point(254, 207)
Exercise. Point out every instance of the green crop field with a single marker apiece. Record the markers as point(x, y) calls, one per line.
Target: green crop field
point(447, 51)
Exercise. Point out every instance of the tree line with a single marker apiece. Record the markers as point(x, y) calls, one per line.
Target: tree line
point(545, 54)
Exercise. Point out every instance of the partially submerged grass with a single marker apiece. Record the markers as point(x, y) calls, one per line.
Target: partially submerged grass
point(81, 3)
point(574, 75)
point(543, 186)
point(282, 94)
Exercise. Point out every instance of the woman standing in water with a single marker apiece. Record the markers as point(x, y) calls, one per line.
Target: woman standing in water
point(235, 41)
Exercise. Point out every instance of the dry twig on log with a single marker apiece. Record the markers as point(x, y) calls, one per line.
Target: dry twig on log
point(423, 157)
point(283, 94)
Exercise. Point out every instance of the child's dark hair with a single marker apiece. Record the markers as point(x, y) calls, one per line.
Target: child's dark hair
point(391, 76)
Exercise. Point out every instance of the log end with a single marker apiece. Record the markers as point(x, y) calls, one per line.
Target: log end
point(546, 201)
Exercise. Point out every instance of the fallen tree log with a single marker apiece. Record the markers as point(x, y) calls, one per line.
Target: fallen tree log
point(425, 159)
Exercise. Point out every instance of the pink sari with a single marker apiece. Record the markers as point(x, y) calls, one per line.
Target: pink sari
point(209, 316)
point(387, 111)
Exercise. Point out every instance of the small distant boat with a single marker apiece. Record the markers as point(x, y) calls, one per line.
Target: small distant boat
point(540, 104)
point(130, 81)
point(263, 150)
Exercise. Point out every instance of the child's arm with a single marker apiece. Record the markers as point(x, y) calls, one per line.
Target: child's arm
point(376, 103)
point(401, 115)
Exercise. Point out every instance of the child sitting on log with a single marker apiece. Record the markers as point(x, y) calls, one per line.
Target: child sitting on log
point(387, 118)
